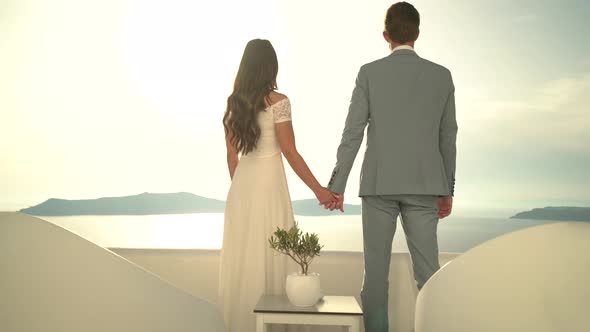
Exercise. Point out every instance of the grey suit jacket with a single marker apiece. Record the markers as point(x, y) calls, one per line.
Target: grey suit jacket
point(409, 106)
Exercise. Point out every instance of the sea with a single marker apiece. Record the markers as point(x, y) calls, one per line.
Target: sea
point(336, 233)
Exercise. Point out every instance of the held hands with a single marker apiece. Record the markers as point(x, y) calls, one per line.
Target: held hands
point(339, 204)
point(445, 206)
point(329, 199)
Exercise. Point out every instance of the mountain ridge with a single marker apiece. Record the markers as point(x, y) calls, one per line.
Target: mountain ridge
point(160, 203)
point(560, 213)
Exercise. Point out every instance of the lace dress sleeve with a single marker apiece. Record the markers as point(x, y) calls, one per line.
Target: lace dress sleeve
point(282, 111)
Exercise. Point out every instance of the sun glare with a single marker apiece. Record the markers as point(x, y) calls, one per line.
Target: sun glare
point(182, 55)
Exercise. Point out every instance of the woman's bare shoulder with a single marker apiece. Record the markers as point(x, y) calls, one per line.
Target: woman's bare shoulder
point(275, 97)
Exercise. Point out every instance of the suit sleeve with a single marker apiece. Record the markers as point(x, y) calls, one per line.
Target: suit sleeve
point(448, 139)
point(352, 136)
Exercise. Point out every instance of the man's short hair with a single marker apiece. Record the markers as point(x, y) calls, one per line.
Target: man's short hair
point(402, 22)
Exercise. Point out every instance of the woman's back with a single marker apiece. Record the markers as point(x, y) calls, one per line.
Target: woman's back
point(268, 144)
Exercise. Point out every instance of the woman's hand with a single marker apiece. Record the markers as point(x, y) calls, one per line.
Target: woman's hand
point(325, 196)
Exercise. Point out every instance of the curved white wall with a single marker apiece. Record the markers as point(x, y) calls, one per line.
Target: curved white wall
point(54, 280)
point(534, 280)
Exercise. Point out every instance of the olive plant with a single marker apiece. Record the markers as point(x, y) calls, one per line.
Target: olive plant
point(302, 248)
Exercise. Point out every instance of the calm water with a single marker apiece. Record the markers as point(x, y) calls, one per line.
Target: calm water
point(203, 230)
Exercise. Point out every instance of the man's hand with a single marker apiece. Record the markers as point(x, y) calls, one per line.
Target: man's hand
point(339, 204)
point(445, 206)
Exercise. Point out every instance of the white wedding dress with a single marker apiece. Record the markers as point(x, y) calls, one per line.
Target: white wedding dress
point(257, 203)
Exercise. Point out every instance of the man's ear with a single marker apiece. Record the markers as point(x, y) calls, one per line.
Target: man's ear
point(417, 35)
point(386, 36)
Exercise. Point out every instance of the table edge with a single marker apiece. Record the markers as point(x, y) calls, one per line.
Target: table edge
point(307, 313)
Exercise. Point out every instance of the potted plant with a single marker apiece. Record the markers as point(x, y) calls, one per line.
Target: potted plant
point(303, 288)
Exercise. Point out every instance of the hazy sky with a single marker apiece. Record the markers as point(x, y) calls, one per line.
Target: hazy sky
point(109, 98)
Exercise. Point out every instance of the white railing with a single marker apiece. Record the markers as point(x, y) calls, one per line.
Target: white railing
point(196, 271)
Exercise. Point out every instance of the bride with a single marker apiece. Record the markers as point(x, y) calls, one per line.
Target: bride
point(258, 126)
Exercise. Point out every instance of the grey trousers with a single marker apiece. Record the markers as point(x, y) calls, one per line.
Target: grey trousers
point(419, 219)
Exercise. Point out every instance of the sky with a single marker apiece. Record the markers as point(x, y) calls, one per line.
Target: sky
point(120, 97)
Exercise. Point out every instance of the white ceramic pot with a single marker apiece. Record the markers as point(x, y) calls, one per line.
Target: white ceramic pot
point(303, 290)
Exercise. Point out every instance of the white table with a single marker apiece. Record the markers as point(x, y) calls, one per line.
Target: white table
point(331, 310)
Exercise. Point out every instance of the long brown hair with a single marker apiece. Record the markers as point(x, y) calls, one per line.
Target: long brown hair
point(256, 78)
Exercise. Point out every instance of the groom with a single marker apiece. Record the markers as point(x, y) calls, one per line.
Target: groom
point(409, 167)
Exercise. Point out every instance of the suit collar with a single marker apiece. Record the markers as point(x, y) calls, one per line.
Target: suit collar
point(402, 47)
point(404, 52)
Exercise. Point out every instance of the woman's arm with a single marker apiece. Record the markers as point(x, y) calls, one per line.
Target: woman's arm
point(232, 153)
point(286, 138)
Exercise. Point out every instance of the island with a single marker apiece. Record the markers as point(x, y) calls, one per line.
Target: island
point(161, 203)
point(561, 213)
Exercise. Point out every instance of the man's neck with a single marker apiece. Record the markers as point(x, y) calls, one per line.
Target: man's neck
point(393, 45)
